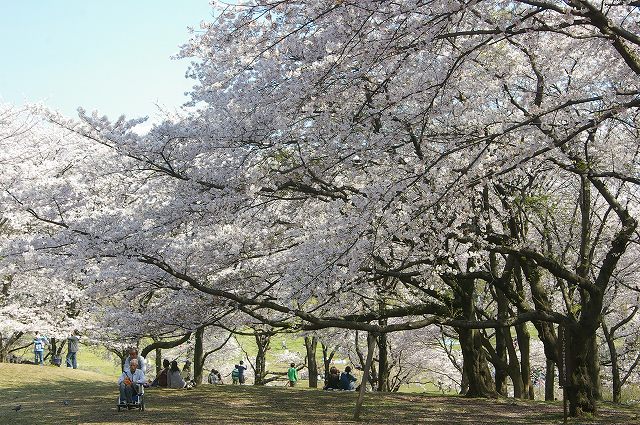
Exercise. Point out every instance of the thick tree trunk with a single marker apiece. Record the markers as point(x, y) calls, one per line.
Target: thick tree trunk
point(615, 367)
point(464, 383)
point(311, 344)
point(474, 359)
point(580, 391)
point(524, 340)
point(503, 335)
point(198, 355)
point(475, 365)
point(383, 363)
point(593, 366)
point(501, 354)
point(550, 380)
point(515, 372)
point(55, 350)
point(262, 341)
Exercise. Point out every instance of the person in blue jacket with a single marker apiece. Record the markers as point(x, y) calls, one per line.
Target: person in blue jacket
point(39, 342)
point(347, 380)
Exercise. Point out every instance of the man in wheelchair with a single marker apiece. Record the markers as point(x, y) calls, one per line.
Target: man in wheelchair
point(130, 383)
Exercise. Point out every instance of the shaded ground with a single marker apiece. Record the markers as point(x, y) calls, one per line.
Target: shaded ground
point(42, 391)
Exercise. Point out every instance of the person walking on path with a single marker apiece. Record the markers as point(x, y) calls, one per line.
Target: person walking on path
point(292, 374)
point(72, 349)
point(38, 348)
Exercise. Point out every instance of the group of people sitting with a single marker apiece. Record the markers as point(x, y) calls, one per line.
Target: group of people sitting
point(172, 377)
point(344, 381)
point(134, 370)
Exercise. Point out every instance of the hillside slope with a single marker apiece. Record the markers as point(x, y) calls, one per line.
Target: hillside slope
point(50, 395)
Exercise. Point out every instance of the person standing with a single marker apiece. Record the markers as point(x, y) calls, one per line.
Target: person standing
point(241, 368)
point(133, 354)
point(72, 349)
point(235, 374)
point(38, 348)
point(292, 374)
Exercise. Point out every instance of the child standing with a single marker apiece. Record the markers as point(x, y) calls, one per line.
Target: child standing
point(292, 374)
point(235, 375)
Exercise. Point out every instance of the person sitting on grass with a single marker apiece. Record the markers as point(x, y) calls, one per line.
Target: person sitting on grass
point(214, 377)
point(333, 380)
point(347, 380)
point(174, 380)
point(129, 381)
point(186, 371)
point(161, 379)
point(292, 374)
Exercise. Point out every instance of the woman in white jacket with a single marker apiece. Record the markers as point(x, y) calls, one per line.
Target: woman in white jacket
point(174, 380)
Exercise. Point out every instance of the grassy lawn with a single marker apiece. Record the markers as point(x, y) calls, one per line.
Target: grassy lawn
point(90, 399)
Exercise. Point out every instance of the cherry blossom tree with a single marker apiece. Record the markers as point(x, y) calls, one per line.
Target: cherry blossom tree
point(376, 167)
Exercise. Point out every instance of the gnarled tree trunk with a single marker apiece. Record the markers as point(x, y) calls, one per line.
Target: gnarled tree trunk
point(262, 341)
point(311, 344)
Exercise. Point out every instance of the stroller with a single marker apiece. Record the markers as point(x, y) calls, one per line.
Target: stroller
point(138, 400)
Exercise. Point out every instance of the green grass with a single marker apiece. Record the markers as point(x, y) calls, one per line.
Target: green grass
point(42, 390)
point(89, 358)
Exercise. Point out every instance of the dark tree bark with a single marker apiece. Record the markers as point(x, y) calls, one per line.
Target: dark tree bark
point(263, 339)
point(164, 344)
point(198, 355)
point(609, 335)
point(524, 340)
point(550, 380)
point(6, 342)
point(326, 359)
point(383, 363)
point(474, 359)
point(593, 360)
point(514, 369)
point(158, 361)
point(56, 348)
point(311, 344)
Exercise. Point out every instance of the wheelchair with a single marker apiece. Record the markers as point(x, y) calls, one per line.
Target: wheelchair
point(138, 400)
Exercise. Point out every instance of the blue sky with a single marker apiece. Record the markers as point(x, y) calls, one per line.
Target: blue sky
point(107, 55)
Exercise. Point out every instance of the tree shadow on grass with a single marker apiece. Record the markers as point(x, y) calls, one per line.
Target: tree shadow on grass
point(95, 403)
